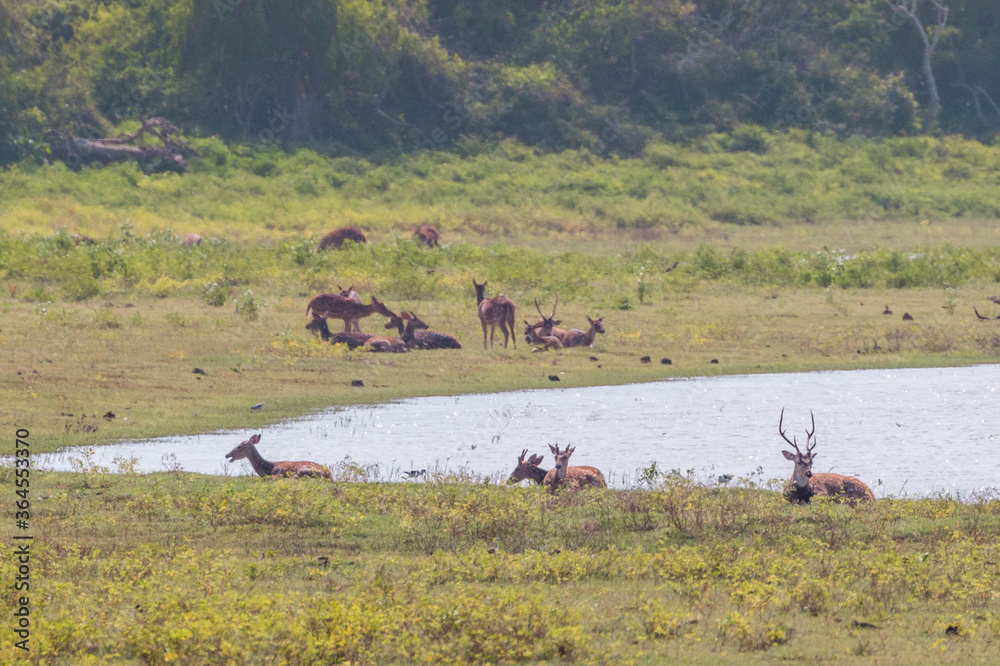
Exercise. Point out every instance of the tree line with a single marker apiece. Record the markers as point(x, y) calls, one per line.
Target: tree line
point(403, 75)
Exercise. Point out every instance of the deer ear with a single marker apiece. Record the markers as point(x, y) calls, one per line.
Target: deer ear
point(254, 439)
point(788, 455)
point(556, 322)
point(554, 449)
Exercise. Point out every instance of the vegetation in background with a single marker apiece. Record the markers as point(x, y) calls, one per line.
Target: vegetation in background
point(404, 75)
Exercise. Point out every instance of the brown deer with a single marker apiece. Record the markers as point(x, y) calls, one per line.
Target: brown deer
point(342, 307)
point(544, 331)
point(496, 311)
point(401, 344)
point(574, 337)
point(353, 339)
point(337, 237)
point(425, 339)
point(427, 234)
point(191, 239)
point(528, 469)
point(571, 477)
point(349, 293)
point(274, 470)
point(804, 484)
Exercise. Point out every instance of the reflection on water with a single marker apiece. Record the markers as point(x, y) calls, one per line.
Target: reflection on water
point(904, 432)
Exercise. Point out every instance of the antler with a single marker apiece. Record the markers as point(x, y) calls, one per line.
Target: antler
point(553, 315)
point(539, 308)
point(785, 437)
point(810, 434)
point(542, 315)
point(520, 458)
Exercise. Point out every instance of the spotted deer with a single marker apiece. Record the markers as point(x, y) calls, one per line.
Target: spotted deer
point(274, 470)
point(528, 469)
point(400, 344)
point(425, 339)
point(544, 332)
point(496, 311)
point(354, 324)
point(427, 234)
point(342, 307)
point(353, 339)
point(337, 237)
point(804, 485)
point(571, 477)
point(574, 337)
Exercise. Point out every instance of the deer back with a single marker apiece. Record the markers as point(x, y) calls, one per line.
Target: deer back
point(300, 469)
point(840, 488)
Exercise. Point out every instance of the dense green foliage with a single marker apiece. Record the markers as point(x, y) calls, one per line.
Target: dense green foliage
point(410, 74)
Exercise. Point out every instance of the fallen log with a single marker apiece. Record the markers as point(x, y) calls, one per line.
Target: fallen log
point(172, 156)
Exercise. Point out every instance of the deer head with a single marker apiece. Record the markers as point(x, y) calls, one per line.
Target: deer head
point(243, 449)
point(527, 469)
point(562, 459)
point(547, 323)
point(597, 324)
point(803, 461)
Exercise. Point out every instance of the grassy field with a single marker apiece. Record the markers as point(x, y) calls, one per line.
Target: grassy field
point(718, 259)
point(181, 568)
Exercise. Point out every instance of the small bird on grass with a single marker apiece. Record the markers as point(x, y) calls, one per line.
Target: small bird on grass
point(256, 408)
point(493, 549)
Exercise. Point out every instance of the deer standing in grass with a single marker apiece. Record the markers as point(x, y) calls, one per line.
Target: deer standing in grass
point(805, 485)
point(425, 339)
point(572, 477)
point(427, 234)
point(349, 293)
point(400, 344)
point(342, 307)
point(337, 237)
point(496, 311)
point(528, 469)
point(274, 470)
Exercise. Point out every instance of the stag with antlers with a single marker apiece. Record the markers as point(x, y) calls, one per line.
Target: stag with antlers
point(493, 312)
point(544, 331)
point(571, 477)
point(528, 469)
point(342, 307)
point(274, 470)
point(805, 485)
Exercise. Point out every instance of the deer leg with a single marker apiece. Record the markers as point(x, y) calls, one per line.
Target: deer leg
point(484, 334)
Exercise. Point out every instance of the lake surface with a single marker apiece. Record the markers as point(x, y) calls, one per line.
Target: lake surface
point(904, 432)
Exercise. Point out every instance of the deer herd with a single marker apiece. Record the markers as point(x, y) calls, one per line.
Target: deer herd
point(801, 488)
point(499, 311)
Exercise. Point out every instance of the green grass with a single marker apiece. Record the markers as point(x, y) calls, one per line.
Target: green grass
point(784, 261)
point(179, 567)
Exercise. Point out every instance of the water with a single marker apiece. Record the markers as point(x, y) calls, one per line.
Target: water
point(904, 432)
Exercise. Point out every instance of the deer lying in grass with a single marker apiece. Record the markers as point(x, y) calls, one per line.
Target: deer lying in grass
point(425, 339)
point(427, 234)
point(574, 337)
point(342, 307)
point(337, 237)
point(496, 311)
point(274, 470)
point(804, 485)
point(528, 469)
point(571, 477)
point(352, 339)
point(400, 344)
point(544, 331)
